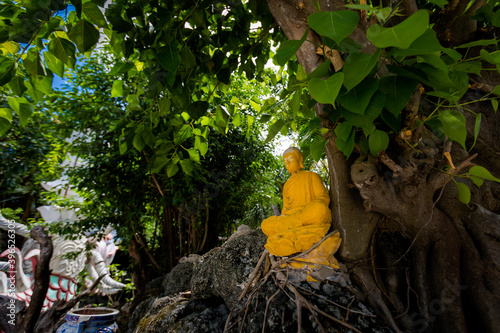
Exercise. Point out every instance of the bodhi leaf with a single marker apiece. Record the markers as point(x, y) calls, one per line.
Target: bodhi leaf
point(274, 129)
point(138, 142)
point(117, 88)
point(463, 193)
point(84, 34)
point(343, 130)
point(288, 48)
point(358, 98)
point(378, 141)
point(22, 107)
point(54, 64)
point(357, 66)
point(346, 146)
point(187, 166)
point(17, 85)
point(194, 155)
point(5, 120)
point(401, 35)
point(326, 91)
point(482, 172)
point(64, 50)
point(7, 69)
point(335, 25)
point(317, 148)
point(94, 14)
point(201, 145)
point(425, 44)
point(453, 123)
point(398, 91)
point(169, 58)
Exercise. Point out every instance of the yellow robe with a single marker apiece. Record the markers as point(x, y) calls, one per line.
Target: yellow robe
point(305, 216)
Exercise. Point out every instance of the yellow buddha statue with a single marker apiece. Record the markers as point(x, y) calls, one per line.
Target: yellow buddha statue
point(305, 218)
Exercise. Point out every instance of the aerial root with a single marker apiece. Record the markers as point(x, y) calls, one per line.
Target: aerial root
point(278, 272)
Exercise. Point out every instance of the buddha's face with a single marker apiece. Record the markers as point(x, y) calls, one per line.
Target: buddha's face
point(292, 162)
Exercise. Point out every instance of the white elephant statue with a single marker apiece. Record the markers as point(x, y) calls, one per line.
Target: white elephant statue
point(65, 270)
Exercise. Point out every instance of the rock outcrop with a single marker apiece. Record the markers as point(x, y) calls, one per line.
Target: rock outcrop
point(202, 292)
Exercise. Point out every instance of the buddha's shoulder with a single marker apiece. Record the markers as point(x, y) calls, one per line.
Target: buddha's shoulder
point(309, 174)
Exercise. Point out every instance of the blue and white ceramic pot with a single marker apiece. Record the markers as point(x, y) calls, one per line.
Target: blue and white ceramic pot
point(87, 320)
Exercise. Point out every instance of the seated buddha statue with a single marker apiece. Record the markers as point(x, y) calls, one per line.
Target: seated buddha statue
point(305, 217)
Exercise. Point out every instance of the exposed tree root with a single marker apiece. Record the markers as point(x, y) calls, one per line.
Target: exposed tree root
point(278, 271)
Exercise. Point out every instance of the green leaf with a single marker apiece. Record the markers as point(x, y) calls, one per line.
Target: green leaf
point(84, 34)
point(22, 107)
point(358, 98)
point(33, 64)
point(463, 193)
point(394, 122)
point(274, 129)
point(346, 147)
point(378, 141)
point(476, 180)
point(482, 172)
point(468, 67)
point(343, 130)
point(194, 155)
point(172, 169)
point(7, 69)
point(454, 125)
point(401, 35)
point(121, 68)
point(187, 166)
point(425, 44)
point(440, 3)
point(201, 145)
point(197, 109)
point(138, 142)
point(159, 162)
point(357, 66)
point(335, 25)
point(317, 149)
point(492, 58)
point(17, 85)
point(288, 48)
point(188, 58)
point(477, 127)
point(494, 104)
point(482, 42)
point(182, 134)
point(359, 7)
point(397, 90)
point(117, 88)
point(6, 113)
point(169, 58)
point(326, 91)
point(295, 104)
point(54, 64)
point(64, 50)
point(321, 71)
point(94, 14)
point(4, 126)
point(122, 144)
point(495, 20)
point(373, 110)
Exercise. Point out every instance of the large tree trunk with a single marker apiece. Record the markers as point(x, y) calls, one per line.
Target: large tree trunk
point(424, 260)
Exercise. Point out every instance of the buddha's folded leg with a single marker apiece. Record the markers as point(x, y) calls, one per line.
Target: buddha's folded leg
point(280, 245)
point(315, 213)
point(278, 224)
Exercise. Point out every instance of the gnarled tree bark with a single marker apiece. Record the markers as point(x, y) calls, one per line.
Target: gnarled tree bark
point(424, 260)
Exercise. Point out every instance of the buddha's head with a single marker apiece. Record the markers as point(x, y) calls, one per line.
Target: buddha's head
point(294, 161)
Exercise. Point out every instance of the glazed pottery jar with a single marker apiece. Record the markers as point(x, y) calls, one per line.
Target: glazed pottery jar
point(87, 320)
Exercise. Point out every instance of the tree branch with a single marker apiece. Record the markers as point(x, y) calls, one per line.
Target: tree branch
point(42, 279)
